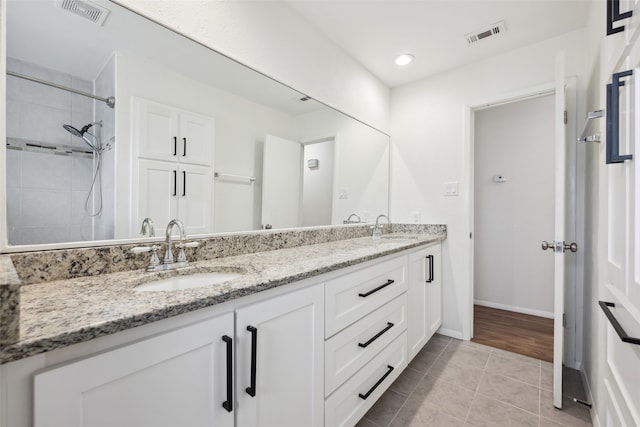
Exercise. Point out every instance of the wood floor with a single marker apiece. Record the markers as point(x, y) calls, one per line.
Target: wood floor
point(516, 332)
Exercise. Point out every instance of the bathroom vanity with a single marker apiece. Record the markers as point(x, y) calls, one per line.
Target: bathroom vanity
point(308, 335)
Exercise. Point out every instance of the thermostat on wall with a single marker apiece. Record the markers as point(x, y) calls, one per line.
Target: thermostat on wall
point(499, 178)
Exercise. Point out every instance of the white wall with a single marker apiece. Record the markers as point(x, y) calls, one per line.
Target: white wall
point(272, 38)
point(429, 129)
point(240, 129)
point(515, 140)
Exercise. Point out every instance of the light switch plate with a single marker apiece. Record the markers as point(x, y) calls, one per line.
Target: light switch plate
point(451, 188)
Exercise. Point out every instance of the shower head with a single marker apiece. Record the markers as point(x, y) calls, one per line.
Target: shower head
point(79, 133)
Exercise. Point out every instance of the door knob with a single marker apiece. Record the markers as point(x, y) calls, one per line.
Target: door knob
point(555, 247)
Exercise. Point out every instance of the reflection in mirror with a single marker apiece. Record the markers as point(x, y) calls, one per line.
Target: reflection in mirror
point(193, 135)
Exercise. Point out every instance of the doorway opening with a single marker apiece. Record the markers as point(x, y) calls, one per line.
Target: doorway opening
point(514, 198)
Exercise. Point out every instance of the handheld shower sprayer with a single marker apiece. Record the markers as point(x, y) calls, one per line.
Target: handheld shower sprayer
point(98, 149)
point(96, 145)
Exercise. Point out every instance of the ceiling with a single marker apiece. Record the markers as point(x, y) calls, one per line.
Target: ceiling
point(375, 32)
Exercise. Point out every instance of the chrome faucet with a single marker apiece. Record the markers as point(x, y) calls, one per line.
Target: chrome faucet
point(377, 229)
point(168, 254)
point(348, 220)
point(147, 227)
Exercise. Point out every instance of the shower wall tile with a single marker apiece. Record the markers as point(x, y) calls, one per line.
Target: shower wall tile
point(78, 214)
point(44, 124)
point(44, 170)
point(82, 232)
point(14, 168)
point(13, 119)
point(81, 173)
point(14, 209)
point(45, 208)
point(51, 234)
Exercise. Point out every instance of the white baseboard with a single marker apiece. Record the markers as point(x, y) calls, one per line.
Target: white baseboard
point(516, 309)
point(587, 389)
point(450, 333)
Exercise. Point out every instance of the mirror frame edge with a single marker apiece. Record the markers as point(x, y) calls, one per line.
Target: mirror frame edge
point(4, 241)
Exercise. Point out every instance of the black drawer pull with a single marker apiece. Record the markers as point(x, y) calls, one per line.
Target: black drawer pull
point(251, 390)
point(175, 145)
point(376, 336)
point(228, 404)
point(604, 305)
point(175, 183)
point(366, 294)
point(613, 119)
point(614, 15)
point(375, 386)
point(184, 183)
point(430, 279)
point(184, 147)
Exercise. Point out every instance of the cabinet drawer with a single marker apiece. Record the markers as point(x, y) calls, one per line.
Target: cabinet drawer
point(350, 402)
point(351, 349)
point(354, 295)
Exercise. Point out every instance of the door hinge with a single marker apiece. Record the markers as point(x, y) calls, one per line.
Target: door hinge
point(566, 117)
point(471, 235)
point(564, 320)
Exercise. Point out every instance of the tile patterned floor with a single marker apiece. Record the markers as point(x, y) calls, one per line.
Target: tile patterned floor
point(461, 383)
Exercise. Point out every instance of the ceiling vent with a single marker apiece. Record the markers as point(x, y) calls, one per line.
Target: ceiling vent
point(86, 9)
point(494, 30)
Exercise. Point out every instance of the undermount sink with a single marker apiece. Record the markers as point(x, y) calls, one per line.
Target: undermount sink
point(178, 283)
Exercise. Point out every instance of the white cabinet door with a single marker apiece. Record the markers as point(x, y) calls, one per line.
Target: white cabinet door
point(195, 145)
point(195, 185)
point(174, 379)
point(155, 130)
point(157, 192)
point(281, 373)
point(434, 290)
point(424, 296)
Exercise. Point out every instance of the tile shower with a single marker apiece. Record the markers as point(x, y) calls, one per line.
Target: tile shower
point(47, 187)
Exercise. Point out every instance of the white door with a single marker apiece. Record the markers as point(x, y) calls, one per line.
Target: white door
point(620, 298)
point(174, 379)
point(196, 139)
point(559, 233)
point(156, 196)
point(280, 353)
point(195, 184)
point(281, 183)
point(155, 130)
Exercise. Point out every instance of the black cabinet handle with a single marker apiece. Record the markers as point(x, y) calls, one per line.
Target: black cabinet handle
point(376, 336)
point(184, 147)
point(175, 183)
point(251, 390)
point(430, 278)
point(375, 386)
point(228, 404)
point(604, 305)
point(613, 119)
point(613, 15)
point(184, 183)
point(175, 145)
point(372, 291)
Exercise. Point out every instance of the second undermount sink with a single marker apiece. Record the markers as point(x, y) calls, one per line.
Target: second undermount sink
point(190, 281)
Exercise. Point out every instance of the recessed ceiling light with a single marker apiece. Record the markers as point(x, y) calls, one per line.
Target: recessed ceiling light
point(404, 59)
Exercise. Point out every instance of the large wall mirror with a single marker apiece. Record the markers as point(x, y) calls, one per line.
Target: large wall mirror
point(193, 135)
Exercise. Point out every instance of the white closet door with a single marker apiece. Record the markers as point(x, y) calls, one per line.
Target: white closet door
point(157, 192)
point(196, 140)
point(195, 185)
point(155, 130)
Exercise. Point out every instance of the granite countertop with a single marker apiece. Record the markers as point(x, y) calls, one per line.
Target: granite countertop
point(64, 312)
